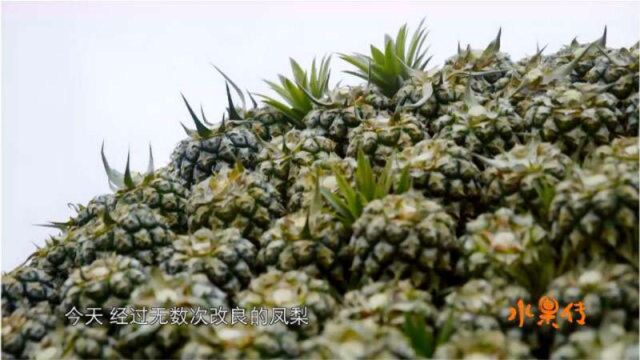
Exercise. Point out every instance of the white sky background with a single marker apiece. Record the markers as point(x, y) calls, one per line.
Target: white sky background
point(74, 74)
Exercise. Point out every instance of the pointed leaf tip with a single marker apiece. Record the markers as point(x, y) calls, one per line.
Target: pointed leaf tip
point(233, 114)
point(128, 180)
point(202, 130)
point(150, 165)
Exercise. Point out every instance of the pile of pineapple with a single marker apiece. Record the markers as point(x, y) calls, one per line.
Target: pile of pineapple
point(405, 215)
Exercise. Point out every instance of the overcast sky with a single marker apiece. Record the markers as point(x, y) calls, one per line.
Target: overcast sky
point(74, 74)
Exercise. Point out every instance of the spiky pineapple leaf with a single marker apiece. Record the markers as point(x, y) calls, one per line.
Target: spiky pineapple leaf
point(420, 336)
point(300, 94)
point(388, 68)
point(349, 202)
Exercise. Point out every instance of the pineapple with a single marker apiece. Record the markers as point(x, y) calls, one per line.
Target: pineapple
point(264, 121)
point(235, 198)
point(608, 291)
point(134, 230)
point(23, 330)
point(629, 109)
point(358, 339)
point(337, 123)
point(287, 155)
point(225, 257)
point(106, 283)
point(611, 342)
point(381, 136)
point(489, 129)
point(206, 151)
point(624, 150)
point(519, 177)
point(156, 338)
point(277, 289)
point(511, 246)
point(315, 243)
point(77, 342)
point(483, 305)
point(94, 208)
point(27, 286)
point(405, 237)
point(242, 342)
point(159, 190)
point(360, 95)
point(322, 172)
point(576, 118)
point(482, 344)
point(595, 214)
point(443, 170)
point(387, 303)
point(487, 70)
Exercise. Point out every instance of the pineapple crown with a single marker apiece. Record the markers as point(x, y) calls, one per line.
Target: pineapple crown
point(389, 68)
point(350, 201)
point(128, 180)
point(423, 338)
point(487, 54)
point(300, 92)
point(536, 76)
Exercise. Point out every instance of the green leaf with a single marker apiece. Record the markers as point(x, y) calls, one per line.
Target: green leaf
point(404, 184)
point(338, 205)
point(233, 114)
point(128, 180)
point(419, 335)
point(202, 130)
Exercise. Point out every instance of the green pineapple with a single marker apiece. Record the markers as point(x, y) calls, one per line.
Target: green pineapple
point(595, 213)
point(623, 150)
point(387, 303)
point(27, 286)
point(360, 95)
point(77, 342)
point(483, 305)
point(486, 71)
point(94, 208)
point(235, 198)
point(358, 339)
point(338, 122)
point(24, 328)
point(285, 157)
point(405, 237)
point(629, 109)
point(486, 128)
point(482, 344)
point(381, 136)
point(608, 291)
point(159, 190)
point(322, 172)
point(263, 121)
point(610, 342)
point(224, 256)
point(134, 230)
point(575, 118)
point(105, 284)
point(314, 242)
point(445, 171)
point(511, 246)
point(618, 68)
point(291, 289)
point(186, 294)
point(242, 342)
point(522, 177)
point(207, 151)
